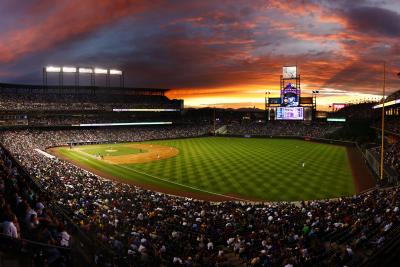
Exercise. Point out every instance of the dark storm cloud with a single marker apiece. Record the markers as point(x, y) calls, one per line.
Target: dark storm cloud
point(374, 20)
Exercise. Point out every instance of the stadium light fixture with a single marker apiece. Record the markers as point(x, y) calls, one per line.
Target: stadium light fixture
point(53, 69)
point(69, 69)
point(115, 72)
point(85, 70)
point(100, 71)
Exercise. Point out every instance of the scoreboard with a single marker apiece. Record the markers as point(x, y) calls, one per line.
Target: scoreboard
point(289, 113)
point(290, 106)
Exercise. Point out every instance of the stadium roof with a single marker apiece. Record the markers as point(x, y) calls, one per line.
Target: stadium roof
point(392, 99)
point(36, 87)
point(393, 96)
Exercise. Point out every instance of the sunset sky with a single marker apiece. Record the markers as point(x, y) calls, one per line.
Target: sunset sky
point(225, 53)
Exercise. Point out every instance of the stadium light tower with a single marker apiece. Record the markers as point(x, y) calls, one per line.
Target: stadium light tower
point(88, 71)
point(120, 73)
point(314, 98)
point(51, 69)
point(267, 93)
point(82, 70)
point(104, 72)
point(69, 70)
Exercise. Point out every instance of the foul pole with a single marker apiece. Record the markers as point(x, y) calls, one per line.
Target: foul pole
point(383, 120)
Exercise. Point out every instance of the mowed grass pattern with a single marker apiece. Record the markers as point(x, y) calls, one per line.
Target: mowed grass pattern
point(266, 169)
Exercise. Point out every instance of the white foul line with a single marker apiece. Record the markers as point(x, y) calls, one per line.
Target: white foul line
point(167, 181)
point(183, 185)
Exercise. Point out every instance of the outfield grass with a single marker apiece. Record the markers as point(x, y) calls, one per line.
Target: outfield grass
point(267, 169)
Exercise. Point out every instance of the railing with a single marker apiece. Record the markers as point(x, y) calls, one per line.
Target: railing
point(386, 131)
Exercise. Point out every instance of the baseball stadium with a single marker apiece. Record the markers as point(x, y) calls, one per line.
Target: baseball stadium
point(113, 157)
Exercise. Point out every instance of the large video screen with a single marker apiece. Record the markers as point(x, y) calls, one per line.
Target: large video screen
point(289, 113)
point(290, 96)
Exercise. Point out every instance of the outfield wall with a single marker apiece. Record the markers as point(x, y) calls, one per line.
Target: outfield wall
point(304, 138)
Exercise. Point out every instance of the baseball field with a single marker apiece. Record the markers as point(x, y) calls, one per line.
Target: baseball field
point(223, 168)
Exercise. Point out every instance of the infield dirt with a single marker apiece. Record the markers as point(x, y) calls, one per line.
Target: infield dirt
point(151, 153)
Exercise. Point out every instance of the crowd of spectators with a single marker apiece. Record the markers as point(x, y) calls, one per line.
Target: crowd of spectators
point(284, 128)
point(25, 213)
point(80, 102)
point(146, 228)
point(391, 125)
point(71, 119)
point(392, 155)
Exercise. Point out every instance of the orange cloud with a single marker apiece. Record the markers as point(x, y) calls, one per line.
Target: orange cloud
point(69, 19)
point(215, 52)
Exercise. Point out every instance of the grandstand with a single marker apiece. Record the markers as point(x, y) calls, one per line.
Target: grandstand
point(37, 105)
point(392, 112)
point(49, 204)
point(199, 133)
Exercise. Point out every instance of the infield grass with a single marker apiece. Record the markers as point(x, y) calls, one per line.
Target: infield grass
point(109, 150)
point(266, 169)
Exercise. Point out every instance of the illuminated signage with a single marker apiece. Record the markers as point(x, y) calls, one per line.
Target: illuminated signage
point(143, 109)
point(122, 124)
point(336, 119)
point(274, 100)
point(289, 113)
point(337, 106)
point(290, 96)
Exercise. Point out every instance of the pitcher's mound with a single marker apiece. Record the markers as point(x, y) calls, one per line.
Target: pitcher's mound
point(152, 153)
